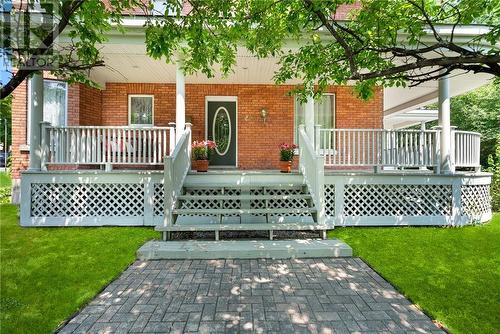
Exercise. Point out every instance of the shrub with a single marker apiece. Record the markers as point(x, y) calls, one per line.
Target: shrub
point(4, 195)
point(494, 167)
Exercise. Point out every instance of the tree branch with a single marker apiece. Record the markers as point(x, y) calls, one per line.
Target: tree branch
point(338, 37)
point(68, 9)
point(465, 63)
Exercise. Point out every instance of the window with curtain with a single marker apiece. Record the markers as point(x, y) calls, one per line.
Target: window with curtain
point(55, 103)
point(140, 109)
point(324, 113)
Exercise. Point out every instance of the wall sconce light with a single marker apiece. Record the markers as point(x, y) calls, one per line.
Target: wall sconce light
point(263, 114)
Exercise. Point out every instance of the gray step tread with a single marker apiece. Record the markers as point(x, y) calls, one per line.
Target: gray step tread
point(244, 227)
point(242, 197)
point(243, 249)
point(220, 185)
point(243, 211)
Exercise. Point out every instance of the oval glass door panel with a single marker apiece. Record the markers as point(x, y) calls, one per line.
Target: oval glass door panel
point(222, 130)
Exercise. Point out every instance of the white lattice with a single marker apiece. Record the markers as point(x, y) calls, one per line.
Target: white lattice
point(158, 199)
point(287, 203)
point(258, 203)
point(295, 203)
point(231, 203)
point(475, 199)
point(397, 200)
point(329, 194)
point(201, 203)
point(87, 200)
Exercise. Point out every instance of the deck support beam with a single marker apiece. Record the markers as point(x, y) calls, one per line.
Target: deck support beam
point(180, 101)
point(36, 117)
point(445, 125)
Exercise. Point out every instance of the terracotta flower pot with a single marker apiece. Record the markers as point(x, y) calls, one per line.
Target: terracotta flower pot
point(200, 165)
point(285, 166)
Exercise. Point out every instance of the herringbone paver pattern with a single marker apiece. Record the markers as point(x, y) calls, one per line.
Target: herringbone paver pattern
point(263, 296)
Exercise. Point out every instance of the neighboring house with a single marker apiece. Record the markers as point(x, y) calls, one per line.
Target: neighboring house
point(99, 158)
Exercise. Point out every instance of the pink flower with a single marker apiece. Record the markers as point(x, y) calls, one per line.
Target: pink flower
point(204, 144)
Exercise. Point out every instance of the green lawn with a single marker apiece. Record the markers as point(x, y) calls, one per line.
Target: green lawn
point(5, 189)
point(4, 180)
point(48, 273)
point(451, 273)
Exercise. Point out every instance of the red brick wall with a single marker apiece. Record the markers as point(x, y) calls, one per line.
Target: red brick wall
point(115, 102)
point(257, 141)
point(73, 104)
point(90, 105)
point(19, 124)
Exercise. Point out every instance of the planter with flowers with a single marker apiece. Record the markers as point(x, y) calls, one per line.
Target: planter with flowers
point(287, 152)
point(201, 151)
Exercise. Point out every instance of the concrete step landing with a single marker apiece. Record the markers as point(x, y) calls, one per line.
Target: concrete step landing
point(243, 249)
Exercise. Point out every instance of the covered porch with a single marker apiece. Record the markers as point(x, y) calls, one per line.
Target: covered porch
point(345, 176)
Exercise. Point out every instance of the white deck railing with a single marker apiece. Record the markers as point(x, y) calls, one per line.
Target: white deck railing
point(106, 145)
point(400, 148)
point(466, 148)
point(311, 165)
point(378, 147)
point(177, 166)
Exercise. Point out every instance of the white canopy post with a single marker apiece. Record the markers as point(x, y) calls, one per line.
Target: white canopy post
point(36, 117)
point(445, 124)
point(180, 101)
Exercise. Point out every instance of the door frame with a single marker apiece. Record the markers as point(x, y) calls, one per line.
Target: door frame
point(223, 99)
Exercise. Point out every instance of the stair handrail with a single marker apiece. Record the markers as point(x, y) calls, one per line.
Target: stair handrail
point(177, 166)
point(311, 165)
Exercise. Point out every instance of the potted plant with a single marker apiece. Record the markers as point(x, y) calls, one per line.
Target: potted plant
point(201, 151)
point(287, 151)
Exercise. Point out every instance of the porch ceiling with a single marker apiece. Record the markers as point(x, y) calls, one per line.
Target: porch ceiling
point(129, 63)
point(126, 61)
point(409, 118)
point(401, 100)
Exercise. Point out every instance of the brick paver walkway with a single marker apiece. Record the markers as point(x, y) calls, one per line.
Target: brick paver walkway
point(263, 296)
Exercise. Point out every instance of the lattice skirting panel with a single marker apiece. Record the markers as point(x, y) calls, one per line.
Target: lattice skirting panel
point(476, 200)
point(378, 200)
point(87, 200)
point(92, 198)
point(397, 200)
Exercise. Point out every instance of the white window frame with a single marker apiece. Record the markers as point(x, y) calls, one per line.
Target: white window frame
point(295, 125)
point(28, 108)
point(130, 96)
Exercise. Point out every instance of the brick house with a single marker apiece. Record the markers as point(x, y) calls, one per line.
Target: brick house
point(120, 154)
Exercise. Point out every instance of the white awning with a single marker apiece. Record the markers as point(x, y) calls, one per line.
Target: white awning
point(409, 118)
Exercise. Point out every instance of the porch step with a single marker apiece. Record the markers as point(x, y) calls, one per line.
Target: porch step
point(222, 184)
point(244, 227)
point(243, 197)
point(278, 211)
point(243, 249)
point(239, 202)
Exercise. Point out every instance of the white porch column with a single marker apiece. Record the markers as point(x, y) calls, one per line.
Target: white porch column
point(180, 101)
point(444, 124)
point(422, 140)
point(309, 118)
point(36, 117)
